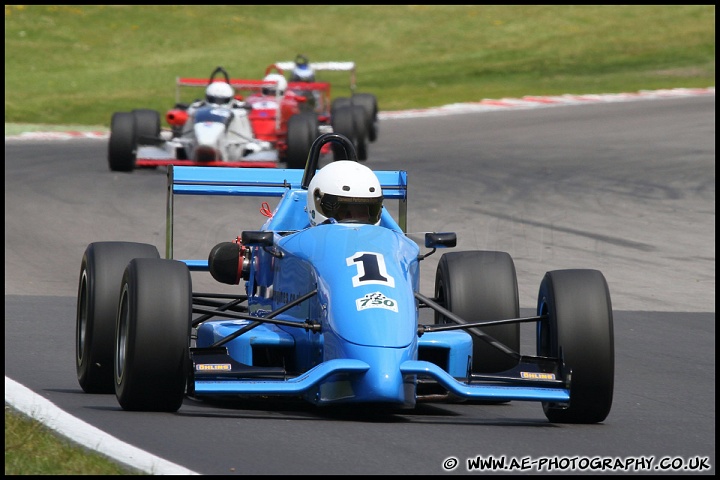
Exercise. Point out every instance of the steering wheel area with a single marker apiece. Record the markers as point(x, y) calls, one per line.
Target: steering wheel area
point(219, 70)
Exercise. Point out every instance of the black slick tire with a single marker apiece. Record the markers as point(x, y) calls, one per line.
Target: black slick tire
point(152, 336)
point(101, 272)
point(579, 330)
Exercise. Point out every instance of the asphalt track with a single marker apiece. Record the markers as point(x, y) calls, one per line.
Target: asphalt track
point(627, 188)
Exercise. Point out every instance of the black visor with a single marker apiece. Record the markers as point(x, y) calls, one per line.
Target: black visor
point(217, 100)
point(359, 209)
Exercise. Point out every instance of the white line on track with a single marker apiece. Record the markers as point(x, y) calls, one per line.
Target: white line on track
point(46, 412)
point(530, 102)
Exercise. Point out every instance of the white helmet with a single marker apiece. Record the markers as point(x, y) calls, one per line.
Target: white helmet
point(279, 82)
point(219, 93)
point(345, 190)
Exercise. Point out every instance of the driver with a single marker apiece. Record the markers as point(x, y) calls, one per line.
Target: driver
point(302, 72)
point(344, 191)
point(218, 94)
point(221, 95)
point(278, 84)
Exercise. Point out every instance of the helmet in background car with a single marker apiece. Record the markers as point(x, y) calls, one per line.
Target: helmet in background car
point(302, 72)
point(346, 191)
point(219, 93)
point(279, 83)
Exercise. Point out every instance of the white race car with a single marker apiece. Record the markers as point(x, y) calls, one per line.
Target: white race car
point(202, 133)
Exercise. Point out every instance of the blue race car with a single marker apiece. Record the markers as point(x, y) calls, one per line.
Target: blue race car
point(330, 307)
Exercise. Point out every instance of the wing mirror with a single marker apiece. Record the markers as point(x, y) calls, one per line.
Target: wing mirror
point(437, 240)
point(262, 239)
point(257, 238)
point(440, 239)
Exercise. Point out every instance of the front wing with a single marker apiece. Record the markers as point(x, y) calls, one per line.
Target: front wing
point(156, 156)
point(211, 382)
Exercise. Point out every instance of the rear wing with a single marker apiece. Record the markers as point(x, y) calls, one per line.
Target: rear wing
point(325, 66)
point(258, 85)
point(254, 86)
point(257, 182)
point(246, 85)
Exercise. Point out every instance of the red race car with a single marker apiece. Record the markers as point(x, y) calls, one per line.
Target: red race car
point(354, 116)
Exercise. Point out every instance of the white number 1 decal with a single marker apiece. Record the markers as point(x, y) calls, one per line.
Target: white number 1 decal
point(371, 269)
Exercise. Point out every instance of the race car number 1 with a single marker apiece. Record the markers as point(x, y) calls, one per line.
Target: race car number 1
point(370, 269)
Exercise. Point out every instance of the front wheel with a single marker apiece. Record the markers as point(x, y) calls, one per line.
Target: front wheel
point(147, 126)
point(101, 274)
point(152, 335)
point(579, 331)
point(302, 130)
point(479, 286)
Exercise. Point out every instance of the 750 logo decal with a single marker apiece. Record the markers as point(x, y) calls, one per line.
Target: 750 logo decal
point(376, 300)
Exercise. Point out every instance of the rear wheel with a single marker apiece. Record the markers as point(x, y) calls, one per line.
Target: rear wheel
point(369, 103)
point(301, 133)
point(338, 103)
point(344, 124)
point(579, 330)
point(478, 286)
point(152, 356)
point(122, 145)
point(101, 274)
point(360, 132)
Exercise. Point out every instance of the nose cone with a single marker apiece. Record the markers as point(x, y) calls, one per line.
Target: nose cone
point(382, 383)
point(387, 385)
point(208, 134)
point(207, 141)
